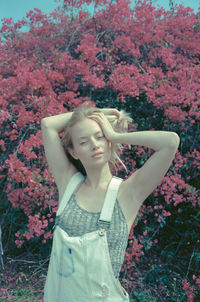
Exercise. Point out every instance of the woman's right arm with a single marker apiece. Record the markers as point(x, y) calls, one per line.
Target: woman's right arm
point(59, 165)
point(57, 122)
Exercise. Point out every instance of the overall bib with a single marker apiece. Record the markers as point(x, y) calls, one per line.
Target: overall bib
point(80, 268)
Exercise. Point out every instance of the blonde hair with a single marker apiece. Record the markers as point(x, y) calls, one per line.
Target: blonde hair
point(82, 112)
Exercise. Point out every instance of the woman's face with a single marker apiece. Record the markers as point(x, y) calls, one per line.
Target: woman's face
point(88, 139)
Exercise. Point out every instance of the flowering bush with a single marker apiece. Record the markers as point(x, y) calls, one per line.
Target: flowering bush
point(145, 61)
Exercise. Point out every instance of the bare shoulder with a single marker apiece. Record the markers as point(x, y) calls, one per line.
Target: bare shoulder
point(65, 180)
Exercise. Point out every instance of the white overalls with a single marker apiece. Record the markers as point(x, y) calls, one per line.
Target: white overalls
point(80, 268)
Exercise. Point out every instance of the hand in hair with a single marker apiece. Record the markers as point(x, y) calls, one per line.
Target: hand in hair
point(122, 121)
point(105, 125)
point(111, 111)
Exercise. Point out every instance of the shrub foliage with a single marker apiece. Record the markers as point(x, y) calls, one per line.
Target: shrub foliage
point(143, 60)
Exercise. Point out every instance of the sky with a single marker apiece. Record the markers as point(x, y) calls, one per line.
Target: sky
point(17, 9)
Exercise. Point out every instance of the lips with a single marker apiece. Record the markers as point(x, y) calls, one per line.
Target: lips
point(98, 153)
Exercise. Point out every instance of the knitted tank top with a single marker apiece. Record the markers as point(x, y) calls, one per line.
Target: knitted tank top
point(76, 221)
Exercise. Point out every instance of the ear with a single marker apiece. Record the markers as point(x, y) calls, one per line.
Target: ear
point(72, 153)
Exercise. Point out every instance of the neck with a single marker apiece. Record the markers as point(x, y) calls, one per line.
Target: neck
point(97, 178)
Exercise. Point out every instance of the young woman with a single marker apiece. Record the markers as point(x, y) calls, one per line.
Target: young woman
point(96, 209)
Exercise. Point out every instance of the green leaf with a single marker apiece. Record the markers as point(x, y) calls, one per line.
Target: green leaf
point(195, 26)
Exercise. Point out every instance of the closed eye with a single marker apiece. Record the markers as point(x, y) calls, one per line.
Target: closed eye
point(99, 137)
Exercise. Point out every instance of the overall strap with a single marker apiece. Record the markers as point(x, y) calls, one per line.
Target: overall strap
point(73, 183)
point(111, 195)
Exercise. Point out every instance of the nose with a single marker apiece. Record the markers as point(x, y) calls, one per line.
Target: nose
point(94, 143)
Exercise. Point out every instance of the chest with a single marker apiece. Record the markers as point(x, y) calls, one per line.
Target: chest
point(93, 202)
point(90, 202)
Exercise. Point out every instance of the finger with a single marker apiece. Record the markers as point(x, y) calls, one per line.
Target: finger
point(95, 118)
point(117, 113)
point(97, 115)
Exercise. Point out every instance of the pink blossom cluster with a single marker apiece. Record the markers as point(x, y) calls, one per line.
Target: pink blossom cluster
point(189, 290)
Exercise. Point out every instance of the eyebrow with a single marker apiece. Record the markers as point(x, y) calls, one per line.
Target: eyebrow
point(87, 136)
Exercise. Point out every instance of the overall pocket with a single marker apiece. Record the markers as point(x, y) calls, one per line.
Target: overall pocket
point(64, 262)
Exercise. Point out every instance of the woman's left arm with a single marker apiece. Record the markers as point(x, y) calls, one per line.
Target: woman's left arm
point(155, 140)
point(143, 182)
point(152, 139)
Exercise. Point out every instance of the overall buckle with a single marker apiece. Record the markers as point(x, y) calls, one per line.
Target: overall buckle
point(103, 223)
